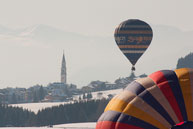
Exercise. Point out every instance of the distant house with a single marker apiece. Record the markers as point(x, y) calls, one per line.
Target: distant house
point(110, 85)
point(72, 88)
point(87, 89)
point(59, 92)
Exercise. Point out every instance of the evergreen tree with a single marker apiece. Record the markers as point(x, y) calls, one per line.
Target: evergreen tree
point(13, 99)
point(185, 62)
point(84, 96)
point(35, 97)
point(89, 96)
point(79, 98)
point(41, 93)
point(83, 111)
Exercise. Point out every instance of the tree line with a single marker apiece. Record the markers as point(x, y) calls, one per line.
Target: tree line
point(185, 62)
point(82, 111)
point(15, 116)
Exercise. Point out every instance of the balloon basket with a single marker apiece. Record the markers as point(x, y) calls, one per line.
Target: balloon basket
point(133, 68)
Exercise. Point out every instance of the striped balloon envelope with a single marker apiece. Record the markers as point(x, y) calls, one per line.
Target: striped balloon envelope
point(133, 37)
point(159, 101)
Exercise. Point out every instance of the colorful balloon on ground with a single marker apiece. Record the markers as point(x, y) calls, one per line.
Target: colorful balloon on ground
point(133, 37)
point(159, 101)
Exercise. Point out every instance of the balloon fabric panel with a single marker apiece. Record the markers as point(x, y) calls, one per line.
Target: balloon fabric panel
point(138, 102)
point(184, 80)
point(113, 125)
point(145, 104)
point(119, 118)
point(162, 83)
point(158, 95)
point(124, 107)
point(148, 98)
point(173, 82)
point(191, 81)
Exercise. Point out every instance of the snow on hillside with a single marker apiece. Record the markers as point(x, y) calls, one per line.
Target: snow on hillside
point(89, 125)
point(106, 93)
point(27, 128)
point(102, 94)
point(35, 107)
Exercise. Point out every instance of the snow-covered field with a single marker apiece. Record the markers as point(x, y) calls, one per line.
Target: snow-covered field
point(35, 107)
point(89, 125)
point(104, 94)
point(39, 106)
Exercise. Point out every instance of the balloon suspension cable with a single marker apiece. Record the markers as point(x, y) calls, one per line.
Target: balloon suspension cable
point(133, 68)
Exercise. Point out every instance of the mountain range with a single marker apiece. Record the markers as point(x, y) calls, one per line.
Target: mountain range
point(33, 55)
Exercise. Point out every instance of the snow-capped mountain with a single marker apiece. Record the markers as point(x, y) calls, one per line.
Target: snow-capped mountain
point(88, 57)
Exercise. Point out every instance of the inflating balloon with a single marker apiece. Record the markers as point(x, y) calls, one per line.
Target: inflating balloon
point(133, 38)
point(160, 101)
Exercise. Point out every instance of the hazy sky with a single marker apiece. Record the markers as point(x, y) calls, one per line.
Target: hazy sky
point(87, 17)
point(95, 17)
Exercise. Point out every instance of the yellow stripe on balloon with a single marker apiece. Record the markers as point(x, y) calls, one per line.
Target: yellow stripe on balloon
point(184, 80)
point(129, 109)
point(115, 103)
point(135, 51)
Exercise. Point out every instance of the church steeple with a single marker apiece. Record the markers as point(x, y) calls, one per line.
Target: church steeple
point(63, 70)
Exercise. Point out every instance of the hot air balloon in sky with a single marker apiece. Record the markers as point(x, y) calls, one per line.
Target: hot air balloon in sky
point(159, 101)
point(133, 37)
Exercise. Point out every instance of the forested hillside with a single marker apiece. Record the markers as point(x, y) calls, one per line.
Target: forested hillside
point(83, 111)
point(186, 61)
point(14, 116)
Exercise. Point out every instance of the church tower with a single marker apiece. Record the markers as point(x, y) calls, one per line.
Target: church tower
point(63, 70)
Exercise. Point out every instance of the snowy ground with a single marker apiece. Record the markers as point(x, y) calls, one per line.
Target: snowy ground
point(38, 106)
point(35, 107)
point(90, 125)
point(104, 94)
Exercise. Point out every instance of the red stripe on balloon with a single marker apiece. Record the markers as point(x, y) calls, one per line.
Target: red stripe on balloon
point(162, 83)
point(181, 123)
point(114, 125)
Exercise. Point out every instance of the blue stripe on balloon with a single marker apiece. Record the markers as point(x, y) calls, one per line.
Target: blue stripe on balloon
point(133, 49)
point(115, 116)
point(135, 88)
point(175, 86)
point(135, 29)
point(133, 57)
point(133, 43)
point(140, 91)
point(125, 34)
